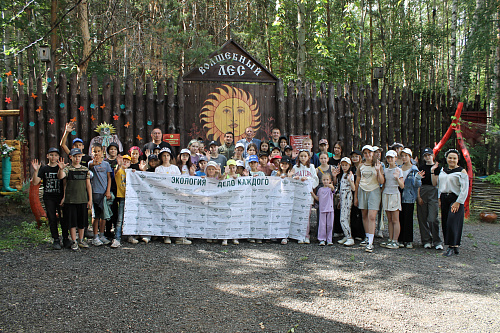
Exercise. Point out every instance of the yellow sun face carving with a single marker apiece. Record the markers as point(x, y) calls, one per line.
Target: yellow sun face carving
point(229, 109)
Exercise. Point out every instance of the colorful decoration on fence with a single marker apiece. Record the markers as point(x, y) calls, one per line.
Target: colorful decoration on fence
point(73, 132)
point(115, 117)
point(229, 109)
point(62, 105)
point(106, 136)
point(92, 118)
point(9, 73)
point(8, 100)
point(19, 82)
point(149, 123)
point(73, 120)
point(122, 106)
point(92, 106)
point(81, 108)
point(31, 124)
point(1, 79)
point(127, 124)
point(103, 106)
point(33, 95)
point(51, 121)
point(49, 80)
point(139, 137)
point(1, 119)
point(39, 109)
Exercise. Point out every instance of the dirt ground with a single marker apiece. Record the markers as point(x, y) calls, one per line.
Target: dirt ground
point(253, 288)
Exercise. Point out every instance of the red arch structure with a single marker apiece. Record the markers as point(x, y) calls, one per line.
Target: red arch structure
point(455, 127)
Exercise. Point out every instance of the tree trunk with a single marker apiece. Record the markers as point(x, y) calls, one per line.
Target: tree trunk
point(84, 28)
point(301, 36)
point(453, 47)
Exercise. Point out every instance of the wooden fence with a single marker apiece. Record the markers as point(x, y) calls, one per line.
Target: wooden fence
point(356, 115)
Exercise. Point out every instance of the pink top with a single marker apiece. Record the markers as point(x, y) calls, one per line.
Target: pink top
point(325, 195)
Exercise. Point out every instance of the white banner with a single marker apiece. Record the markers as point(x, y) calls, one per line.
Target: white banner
point(195, 207)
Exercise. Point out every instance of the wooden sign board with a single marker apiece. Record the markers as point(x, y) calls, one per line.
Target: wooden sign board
point(173, 139)
point(231, 63)
point(296, 141)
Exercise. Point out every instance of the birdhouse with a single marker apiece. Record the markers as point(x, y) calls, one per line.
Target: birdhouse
point(44, 53)
point(378, 72)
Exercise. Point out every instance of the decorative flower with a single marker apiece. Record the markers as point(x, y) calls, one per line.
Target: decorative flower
point(31, 124)
point(33, 95)
point(39, 109)
point(122, 106)
point(49, 80)
point(92, 117)
point(92, 106)
point(5, 149)
point(51, 121)
point(139, 137)
point(103, 106)
point(8, 100)
point(127, 124)
point(81, 108)
point(62, 105)
point(149, 123)
point(9, 73)
point(115, 117)
point(19, 82)
point(73, 132)
point(73, 120)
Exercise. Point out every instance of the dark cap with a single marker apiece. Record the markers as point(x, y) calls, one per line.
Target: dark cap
point(213, 143)
point(263, 153)
point(285, 159)
point(288, 147)
point(355, 151)
point(77, 140)
point(75, 151)
point(152, 157)
point(54, 150)
point(113, 144)
point(427, 151)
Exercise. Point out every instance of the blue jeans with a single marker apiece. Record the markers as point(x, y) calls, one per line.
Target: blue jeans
point(119, 222)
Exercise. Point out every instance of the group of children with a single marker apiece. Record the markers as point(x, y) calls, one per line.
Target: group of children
point(349, 191)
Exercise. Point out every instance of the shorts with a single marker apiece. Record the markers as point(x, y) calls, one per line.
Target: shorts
point(97, 205)
point(391, 202)
point(369, 200)
point(76, 215)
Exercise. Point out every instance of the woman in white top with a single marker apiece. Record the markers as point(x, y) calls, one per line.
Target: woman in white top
point(166, 167)
point(453, 183)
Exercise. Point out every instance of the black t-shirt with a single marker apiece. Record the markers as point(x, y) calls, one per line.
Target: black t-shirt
point(113, 164)
point(135, 166)
point(333, 161)
point(85, 160)
point(427, 180)
point(52, 186)
point(151, 146)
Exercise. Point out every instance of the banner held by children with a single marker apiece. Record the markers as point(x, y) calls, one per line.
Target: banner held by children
point(246, 207)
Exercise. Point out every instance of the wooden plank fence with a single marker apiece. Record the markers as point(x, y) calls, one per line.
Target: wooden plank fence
point(356, 115)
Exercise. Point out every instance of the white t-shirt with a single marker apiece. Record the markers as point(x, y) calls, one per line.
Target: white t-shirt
point(172, 170)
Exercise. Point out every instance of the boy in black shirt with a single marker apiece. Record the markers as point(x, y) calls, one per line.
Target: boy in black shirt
point(52, 195)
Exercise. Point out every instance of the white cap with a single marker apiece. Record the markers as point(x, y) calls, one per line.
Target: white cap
point(240, 163)
point(407, 151)
point(346, 159)
point(391, 153)
point(375, 148)
point(185, 151)
point(211, 163)
point(239, 144)
point(370, 148)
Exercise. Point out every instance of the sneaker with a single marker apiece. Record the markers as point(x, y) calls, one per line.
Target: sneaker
point(56, 245)
point(342, 241)
point(132, 240)
point(167, 240)
point(115, 244)
point(224, 242)
point(67, 243)
point(104, 240)
point(251, 240)
point(307, 241)
point(379, 234)
point(182, 241)
point(427, 246)
point(236, 242)
point(330, 243)
point(439, 247)
point(284, 241)
point(337, 234)
point(402, 244)
point(300, 242)
point(392, 245)
point(409, 245)
point(369, 248)
point(146, 239)
point(322, 243)
point(349, 242)
point(96, 242)
point(384, 244)
point(364, 242)
point(74, 246)
point(259, 241)
point(83, 244)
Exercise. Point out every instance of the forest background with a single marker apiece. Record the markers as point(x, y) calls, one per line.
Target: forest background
point(425, 45)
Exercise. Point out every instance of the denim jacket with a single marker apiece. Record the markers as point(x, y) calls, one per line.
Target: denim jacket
point(412, 182)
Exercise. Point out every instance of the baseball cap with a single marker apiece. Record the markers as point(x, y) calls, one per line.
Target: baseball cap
point(263, 153)
point(213, 143)
point(53, 150)
point(276, 157)
point(152, 157)
point(113, 144)
point(127, 157)
point(239, 144)
point(407, 151)
point(427, 151)
point(185, 151)
point(211, 163)
point(397, 145)
point(369, 147)
point(75, 140)
point(346, 159)
point(75, 151)
point(240, 163)
point(203, 158)
point(323, 142)
point(288, 147)
point(357, 152)
point(285, 159)
point(377, 148)
point(165, 150)
point(253, 158)
point(231, 162)
point(391, 153)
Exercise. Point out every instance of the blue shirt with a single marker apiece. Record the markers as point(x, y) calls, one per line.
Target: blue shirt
point(245, 143)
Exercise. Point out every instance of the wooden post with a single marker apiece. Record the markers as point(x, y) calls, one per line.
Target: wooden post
point(306, 118)
point(106, 99)
point(315, 115)
point(341, 116)
point(356, 133)
point(171, 106)
point(416, 120)
point(299, 114)
point(432, 117)
point(362, 117)
point(138, 126)
point(376, 113)
point(390, 116)
point(348, 123)
point(397, 117)
point(404, 117)
point(180, 111)
point(369, 116)
point(160, 106)
point(117, 110)
point(64, 110)
point(291, 107)
point(323, 112)
point(31, 113)
point(332, 114)
point(73, 100)
point(411, 114)
point(129, 115)
point(51, 111)
point(423, 119)
point(2, 107)
point(280, 102)
point(40, 117)
point(383, 118)
point(84, 115)
point(150, 107)
point(96, 111)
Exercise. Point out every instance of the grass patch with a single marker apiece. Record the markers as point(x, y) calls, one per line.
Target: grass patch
point(24, 235)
